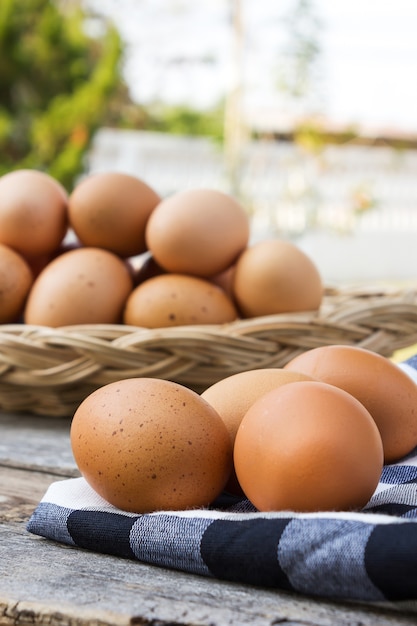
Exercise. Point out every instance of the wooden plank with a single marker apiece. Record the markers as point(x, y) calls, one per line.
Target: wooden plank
point(20, 492)
point(43, 582)
point(35, 442)
point(38, 614)
point(39, 578)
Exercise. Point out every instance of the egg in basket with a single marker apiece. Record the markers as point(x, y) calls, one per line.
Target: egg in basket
point(112, 281)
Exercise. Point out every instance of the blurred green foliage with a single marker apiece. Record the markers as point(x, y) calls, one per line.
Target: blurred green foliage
point(56, 83)
point(183, 120)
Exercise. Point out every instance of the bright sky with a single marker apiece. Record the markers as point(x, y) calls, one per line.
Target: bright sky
point(368, 62)
point(371, 61)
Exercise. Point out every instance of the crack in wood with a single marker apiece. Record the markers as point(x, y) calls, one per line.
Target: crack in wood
point(66, 472)
point(14, 613)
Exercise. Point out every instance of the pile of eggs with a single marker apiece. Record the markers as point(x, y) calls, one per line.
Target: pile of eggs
point(113, 251)
point(312, 436)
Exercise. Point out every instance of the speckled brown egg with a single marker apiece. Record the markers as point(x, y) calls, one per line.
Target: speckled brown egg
point(380, 384)
point(33, 212)
point(81, 286)
point(308, 446)
point(178, 300)
point(15, 282)
point(198, 231)
point(110, 210)
point(234, 395)
point(147, 444)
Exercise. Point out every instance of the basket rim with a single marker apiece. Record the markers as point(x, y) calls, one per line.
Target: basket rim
point(49, 370)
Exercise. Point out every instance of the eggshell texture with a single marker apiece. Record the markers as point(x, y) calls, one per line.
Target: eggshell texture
point(383, 388)
point(308, 446)
point(234, 395)
point(33, 212)
point(82, 286)
point(148, 444)
point(15, 282)
point(110, 210)
point(275, 276)
point(177, 300)
point(198, 232)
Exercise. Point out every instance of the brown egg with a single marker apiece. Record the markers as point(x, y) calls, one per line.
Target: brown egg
point(177, 300)
point(15, 282)
point(233, 396)
point(33, 212)
point(146, 444)
point(308, 446)
point(110, 210)
point(82, 286)
point(383, 388)
point(275, 276)
point(198, 232)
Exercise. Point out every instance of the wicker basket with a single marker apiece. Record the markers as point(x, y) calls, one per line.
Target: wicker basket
point(49, 371)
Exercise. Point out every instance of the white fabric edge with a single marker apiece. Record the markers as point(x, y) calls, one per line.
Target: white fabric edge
point(76, 494)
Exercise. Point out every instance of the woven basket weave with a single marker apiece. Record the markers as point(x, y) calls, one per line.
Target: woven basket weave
point(49, 371)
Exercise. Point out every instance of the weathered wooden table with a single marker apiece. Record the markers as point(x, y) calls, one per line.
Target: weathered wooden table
point(42, 582)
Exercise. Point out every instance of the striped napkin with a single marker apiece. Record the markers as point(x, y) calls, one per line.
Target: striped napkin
point(368, 556)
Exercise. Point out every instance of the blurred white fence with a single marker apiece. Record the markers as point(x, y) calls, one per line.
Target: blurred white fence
point(354, 208)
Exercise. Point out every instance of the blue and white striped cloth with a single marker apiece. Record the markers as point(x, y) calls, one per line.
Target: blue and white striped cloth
point(368, 556)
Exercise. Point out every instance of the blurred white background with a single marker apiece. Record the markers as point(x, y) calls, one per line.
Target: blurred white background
point(354, 64)
point(180, 51)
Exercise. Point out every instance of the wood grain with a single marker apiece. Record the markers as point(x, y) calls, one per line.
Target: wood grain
point(46, 583)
